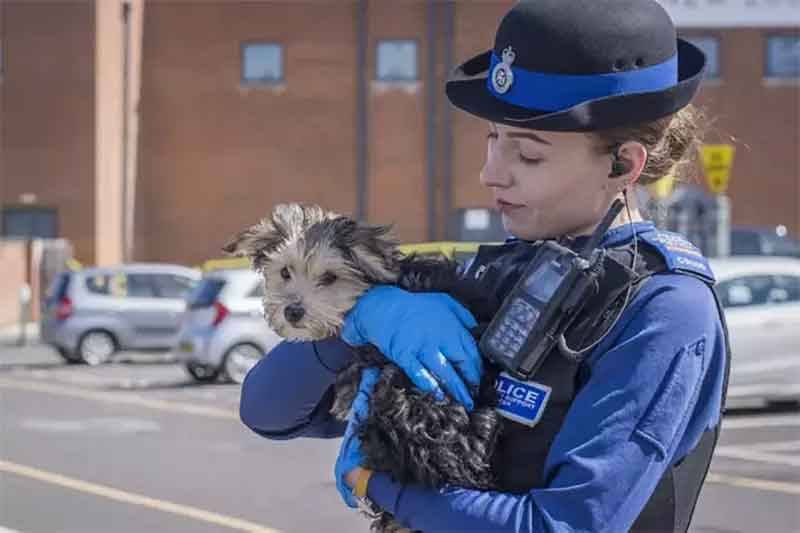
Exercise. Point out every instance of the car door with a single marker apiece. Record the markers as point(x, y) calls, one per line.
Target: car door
point(763, 316)
point(171, 291)
point(782, 323)
point(148, 319)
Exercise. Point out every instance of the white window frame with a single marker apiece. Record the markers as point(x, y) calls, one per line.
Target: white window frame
point(394, 79)
point(263, 81)
point(770, 76)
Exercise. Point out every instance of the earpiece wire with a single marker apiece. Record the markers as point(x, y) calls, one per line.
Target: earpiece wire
point(562, 341)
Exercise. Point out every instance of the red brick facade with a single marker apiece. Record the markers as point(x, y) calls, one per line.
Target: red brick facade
point(216, 154)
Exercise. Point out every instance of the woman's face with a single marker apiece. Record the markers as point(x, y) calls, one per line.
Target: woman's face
point(547, 184)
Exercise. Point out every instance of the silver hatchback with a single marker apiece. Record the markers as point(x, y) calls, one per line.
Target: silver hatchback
point(224, 332)
point(90, 314)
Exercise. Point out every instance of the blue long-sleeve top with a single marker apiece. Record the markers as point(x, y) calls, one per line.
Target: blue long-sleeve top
point(655, 386)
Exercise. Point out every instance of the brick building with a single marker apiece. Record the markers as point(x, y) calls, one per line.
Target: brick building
point(154, 130)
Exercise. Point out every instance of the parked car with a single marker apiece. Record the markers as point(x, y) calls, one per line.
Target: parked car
point(761, 297)
point(758, 240)
point(224, 331)
point(89, 315)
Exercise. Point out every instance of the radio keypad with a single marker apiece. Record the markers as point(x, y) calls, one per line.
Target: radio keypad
point(514, 329)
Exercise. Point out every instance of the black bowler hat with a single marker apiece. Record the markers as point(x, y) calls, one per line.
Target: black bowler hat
point(580, 65)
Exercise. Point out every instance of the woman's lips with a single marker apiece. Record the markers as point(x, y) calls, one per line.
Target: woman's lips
point(506, 207)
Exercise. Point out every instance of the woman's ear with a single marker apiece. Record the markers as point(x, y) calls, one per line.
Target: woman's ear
point(628, 161)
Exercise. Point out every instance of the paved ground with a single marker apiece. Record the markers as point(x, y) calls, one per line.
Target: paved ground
point(136, 446)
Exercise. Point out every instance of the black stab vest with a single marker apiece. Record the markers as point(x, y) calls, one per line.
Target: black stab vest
point(519, 458)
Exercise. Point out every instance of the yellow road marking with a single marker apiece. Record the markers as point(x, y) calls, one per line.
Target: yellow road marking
point(119, 398)
point(134, 499)
point(752, 483)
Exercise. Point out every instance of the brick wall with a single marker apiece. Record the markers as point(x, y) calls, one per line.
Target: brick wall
point(48, 113)
point(215, 155)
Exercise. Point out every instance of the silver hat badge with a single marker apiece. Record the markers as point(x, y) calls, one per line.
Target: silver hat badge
point(502, 75)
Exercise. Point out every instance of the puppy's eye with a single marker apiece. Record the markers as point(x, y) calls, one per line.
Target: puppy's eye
point(285, 274)
point(328, 278)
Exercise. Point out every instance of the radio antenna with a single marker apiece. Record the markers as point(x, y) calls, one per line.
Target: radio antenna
point(601, 230)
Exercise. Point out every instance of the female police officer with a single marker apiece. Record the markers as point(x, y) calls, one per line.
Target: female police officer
point(584, 100)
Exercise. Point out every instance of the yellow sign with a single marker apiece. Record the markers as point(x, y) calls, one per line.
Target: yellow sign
point(717, 161)
point(663, 188)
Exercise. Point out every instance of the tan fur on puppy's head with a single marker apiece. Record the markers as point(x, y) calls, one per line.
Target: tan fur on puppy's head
point(315, 264)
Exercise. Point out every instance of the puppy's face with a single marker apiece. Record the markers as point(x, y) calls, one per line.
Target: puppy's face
point(315, 265)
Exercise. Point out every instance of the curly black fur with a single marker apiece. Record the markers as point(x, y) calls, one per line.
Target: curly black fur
point(411, 435)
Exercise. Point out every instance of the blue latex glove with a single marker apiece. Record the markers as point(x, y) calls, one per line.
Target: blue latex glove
point(350, 455)
point(425, 334)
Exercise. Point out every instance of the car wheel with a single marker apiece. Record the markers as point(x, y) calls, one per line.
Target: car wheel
point(239, 360)
point(202, 373)
point(68, 356)
point(96, 347)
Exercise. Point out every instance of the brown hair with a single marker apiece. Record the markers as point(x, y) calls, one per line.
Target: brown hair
point(672, 143)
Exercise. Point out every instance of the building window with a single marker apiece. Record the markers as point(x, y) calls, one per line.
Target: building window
point(262, 63)
point(710, 47)
point(397, 61)
point(29, 223)
point(783, 57)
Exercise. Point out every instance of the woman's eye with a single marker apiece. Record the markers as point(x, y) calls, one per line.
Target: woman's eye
point(329, 278)
point(285, 274)
point(491, 135)
point(529, 160)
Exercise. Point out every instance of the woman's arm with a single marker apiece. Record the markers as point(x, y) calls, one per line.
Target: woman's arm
point(650, 396)
point(289, 392)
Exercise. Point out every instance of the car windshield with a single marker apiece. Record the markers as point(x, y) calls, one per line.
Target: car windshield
point(205, 293)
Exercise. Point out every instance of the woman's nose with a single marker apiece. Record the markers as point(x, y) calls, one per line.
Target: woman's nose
point(495, 172)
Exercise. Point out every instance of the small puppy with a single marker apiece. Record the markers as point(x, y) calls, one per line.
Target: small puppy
point(315, 265)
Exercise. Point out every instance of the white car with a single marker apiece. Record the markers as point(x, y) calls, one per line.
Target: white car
point(224, 331)
point(761, 297)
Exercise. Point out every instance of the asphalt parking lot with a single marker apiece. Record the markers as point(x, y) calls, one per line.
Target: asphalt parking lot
point(137, 446)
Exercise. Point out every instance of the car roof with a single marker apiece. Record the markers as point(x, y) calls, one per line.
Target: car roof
point(144, 268)
point(229, 273)
point(731, 267)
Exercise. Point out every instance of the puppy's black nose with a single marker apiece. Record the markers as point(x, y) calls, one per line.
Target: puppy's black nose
point(294, 312)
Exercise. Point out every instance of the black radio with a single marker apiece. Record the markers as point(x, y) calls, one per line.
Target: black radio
point(551, 292)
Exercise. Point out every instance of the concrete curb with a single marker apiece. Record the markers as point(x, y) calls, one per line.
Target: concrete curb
point(10, 334)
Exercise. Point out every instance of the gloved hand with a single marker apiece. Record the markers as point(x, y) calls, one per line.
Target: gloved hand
point(350, 456)
point(425, 334)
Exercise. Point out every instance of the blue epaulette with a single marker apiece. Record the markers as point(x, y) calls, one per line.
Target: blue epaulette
point(679, 254)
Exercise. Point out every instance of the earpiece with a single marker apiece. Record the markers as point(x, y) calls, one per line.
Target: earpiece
point(618, 168)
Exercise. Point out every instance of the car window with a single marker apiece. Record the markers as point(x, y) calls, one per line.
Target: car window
point(172, 285)
point(140, 286)
point(257, 291)
point(205, 294)
point(746, 290)
point(58, 289)
point(786, 288)
point(99, 284)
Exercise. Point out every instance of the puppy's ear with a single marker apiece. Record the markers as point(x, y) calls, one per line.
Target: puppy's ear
point(257, 242)
point(370, 249)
